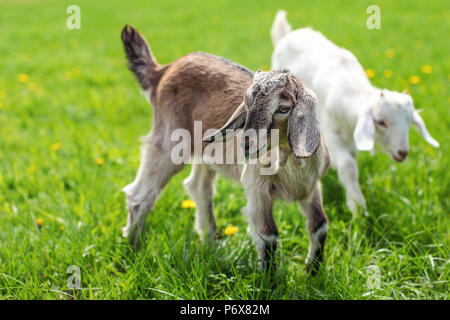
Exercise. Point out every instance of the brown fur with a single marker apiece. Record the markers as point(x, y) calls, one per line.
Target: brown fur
point(196, 87)
point(200, 87)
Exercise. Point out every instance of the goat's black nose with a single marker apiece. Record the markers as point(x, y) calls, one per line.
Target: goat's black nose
point(403, 153)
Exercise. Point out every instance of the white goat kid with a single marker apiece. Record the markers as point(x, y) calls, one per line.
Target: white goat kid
point(353, 114)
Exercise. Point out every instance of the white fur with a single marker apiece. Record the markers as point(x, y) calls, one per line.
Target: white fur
point(280, 27)
point(349, 106)
point(147, 94)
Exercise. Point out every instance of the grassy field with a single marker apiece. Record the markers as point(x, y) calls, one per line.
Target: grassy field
point(70, 120)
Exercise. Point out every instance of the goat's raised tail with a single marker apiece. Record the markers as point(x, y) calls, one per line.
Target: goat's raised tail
point(280, 27)
point(140, 58)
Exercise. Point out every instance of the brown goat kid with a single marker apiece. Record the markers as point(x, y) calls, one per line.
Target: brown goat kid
point(221, 94)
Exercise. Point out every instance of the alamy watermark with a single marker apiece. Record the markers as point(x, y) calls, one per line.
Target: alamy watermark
point(250, 147)
point(74, 20)
point(374, 277)
point(374, 19)
point(74, 280)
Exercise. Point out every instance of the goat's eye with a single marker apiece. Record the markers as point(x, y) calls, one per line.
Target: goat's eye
point(284, 109)
point(381, 123)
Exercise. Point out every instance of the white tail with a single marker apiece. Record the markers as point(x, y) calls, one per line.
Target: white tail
point(280, 27)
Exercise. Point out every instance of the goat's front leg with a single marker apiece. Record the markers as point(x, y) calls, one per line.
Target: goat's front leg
point(347, 168)
point(259, 212)
point(317, 223)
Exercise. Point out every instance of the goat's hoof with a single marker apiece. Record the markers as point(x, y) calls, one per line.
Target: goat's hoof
point(125, 231)
point(135, 241)
point(209, 237)
point(352, 207)
point(132, 235)
point(313, 267)
point(268, 266)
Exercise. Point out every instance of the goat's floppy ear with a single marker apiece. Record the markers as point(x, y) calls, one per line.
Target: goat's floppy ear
point(364, 134)
point(304, 131)
point(420, 124)
point(236, 121)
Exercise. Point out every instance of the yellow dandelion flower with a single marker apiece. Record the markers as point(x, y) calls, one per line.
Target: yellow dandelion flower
point(1, 105)
point(99, 161)
point(387, 73)
point(370, 73)
point(76, 71)
point(68, 75)
point(2, 94)
point(230, 230)
point(186, 204)
point(39, 222)
point(56, 146)
point(390, 53)
point(23, 77)
point(61, 228)
point(32, 86)
point(32, 169)
point(427, 69)
point(414, 79)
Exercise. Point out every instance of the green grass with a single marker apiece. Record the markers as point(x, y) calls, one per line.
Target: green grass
point(80, 94)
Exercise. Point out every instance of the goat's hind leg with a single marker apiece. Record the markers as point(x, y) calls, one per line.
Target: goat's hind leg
point(155, 171)
point(317, 223)
point(200, 187)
